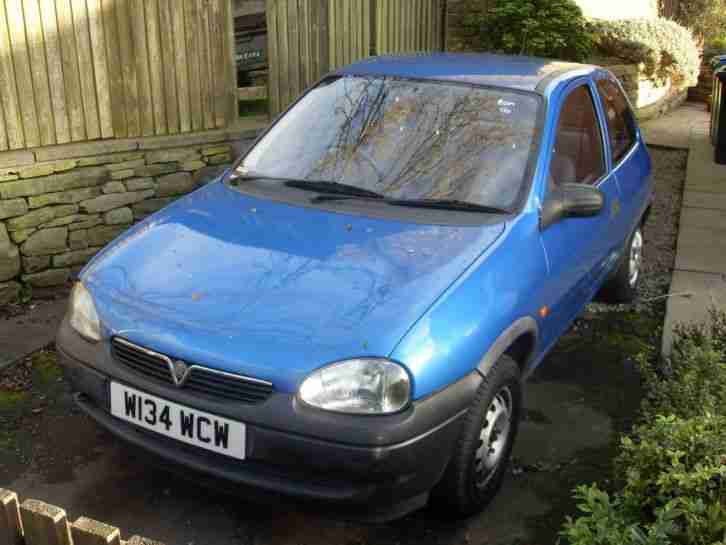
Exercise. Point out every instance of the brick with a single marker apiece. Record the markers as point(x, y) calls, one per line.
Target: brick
point(139, 184)
point(46, 241)
point(65, 197)
point(9, 256)
point(154, 170)
point(75, 257)
point(48, 278)
point(13, 207)
point(174, 184)
point(34, 264)
point(113, 187)
point(117, 200)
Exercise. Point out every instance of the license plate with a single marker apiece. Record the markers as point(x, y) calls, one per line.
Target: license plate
point(182, 423)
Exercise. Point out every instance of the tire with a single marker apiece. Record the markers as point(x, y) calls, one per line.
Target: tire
point(472, 477)
point(622, 286)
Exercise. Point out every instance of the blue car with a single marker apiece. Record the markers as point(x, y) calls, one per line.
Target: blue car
point(350, 312)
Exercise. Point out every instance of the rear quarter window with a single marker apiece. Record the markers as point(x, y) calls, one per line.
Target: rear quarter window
point(620, 119)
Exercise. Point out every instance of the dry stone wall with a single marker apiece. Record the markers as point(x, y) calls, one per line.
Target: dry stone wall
point(60, 205)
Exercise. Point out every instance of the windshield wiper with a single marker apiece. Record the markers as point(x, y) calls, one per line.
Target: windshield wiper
point(333, 189)
point(446, 204)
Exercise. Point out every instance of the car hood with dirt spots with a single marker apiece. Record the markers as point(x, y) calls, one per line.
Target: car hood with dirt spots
point(271, 290)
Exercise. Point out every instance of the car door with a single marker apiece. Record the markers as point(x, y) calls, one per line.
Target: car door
point(630, 161)
point(577, 249)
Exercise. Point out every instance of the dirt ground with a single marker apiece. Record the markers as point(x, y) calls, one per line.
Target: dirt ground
point(577, 403)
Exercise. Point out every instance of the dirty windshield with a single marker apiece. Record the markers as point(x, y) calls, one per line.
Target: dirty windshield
point(403, 139)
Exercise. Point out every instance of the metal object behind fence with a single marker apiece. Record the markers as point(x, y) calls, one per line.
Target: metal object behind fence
point(718, 115)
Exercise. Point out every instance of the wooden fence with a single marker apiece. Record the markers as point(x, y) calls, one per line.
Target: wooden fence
point(36, 523)
point(75, 70)
point(308, 38)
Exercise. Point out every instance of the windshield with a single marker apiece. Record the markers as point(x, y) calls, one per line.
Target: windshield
point(404, 139)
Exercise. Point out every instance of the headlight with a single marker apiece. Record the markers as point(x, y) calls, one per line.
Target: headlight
point(82, 314)
point(360, 386)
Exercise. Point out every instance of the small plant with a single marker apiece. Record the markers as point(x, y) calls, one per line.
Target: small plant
point(543, 28)
point(665, 48)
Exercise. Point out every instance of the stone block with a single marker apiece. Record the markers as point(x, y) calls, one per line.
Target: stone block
point(155, 170)
point(46, 241)
point(113, 187)
point(109, 159)
point(144, 208)
point(207, 174)
point(7, 177)
point(16, 158)
point(64, 220)
point(171, 156)
point(216, 150)
point(21, 236)
point(9, 256)
point(9, 292)
point(75, 257)
point(126, 165)
point(78, 240)
point(36, 171)
point(174, 184)
point(65, 197)
point(85, 149)
point(118, 216)
point(219, 159)
point(139, 184)
point(13, 207)
point(34, 264)
point(85, 221)
point(109, 202)
point(191, 166)
point(182, 140)
point(122, 174)
point(74, 179)
point(103, 234)
point(45, 279)
point(31, 219)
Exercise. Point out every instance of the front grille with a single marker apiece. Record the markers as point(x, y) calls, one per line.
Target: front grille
point(207, 382)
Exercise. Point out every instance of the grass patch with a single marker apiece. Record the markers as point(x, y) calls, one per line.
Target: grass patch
point(45, 367)
point(9, 400)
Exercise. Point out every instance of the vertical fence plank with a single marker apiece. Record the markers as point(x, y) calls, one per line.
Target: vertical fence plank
point(71, 75)
point(23, 79)
point(100, 68)
point(293, 51)
point(283, 62)
point(182, 69)
point(3, 131)
point(55, 71)
point(219, 44)
point(367, 35)
point(44, 524)
point(11, 527)
point(143, 75)
point(305, 29)
point(156, 74)
point(39, 71)
point(273, 82)
point(228, 58)
point(128, 64)
point(206, 65)
point(191, 22)
point(85, 67)
point(169, 70)
point(115, 75)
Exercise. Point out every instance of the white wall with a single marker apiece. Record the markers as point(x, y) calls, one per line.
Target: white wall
point(619, 9)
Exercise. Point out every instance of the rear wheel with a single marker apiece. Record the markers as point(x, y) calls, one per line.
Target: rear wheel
point(482, 451)
point(622, 286)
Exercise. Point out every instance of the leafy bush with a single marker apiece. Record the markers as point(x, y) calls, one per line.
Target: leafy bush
point(543, 28)
point(705, 18)
point(674, 488)
point(663, 46)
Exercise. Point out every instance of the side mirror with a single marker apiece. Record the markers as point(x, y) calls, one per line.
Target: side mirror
point(571, 201)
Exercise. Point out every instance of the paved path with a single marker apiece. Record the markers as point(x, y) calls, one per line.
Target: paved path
point(31, 331)
point(699, 278)
point(673, 130)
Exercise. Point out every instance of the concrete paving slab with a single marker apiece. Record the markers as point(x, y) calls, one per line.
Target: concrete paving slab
point(693, 294)
point(703, 174)
point(702, 250)
point(701, 199)
point(673, 130)
point(30, 331)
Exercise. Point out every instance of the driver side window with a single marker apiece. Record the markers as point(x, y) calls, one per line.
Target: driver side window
point(577, 156)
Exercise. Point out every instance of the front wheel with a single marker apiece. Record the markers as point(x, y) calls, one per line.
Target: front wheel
point(481, 453)
point(622, 286)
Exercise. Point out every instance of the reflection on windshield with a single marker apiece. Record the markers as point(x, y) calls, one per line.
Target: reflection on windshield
point(404, 139)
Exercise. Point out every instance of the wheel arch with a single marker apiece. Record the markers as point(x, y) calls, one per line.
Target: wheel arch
point(519, 341)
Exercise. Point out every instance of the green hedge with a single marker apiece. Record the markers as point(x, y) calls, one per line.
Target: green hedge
point(664, 47)
point(671, 471)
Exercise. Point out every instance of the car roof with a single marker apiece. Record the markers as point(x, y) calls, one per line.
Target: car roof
point(508, 71)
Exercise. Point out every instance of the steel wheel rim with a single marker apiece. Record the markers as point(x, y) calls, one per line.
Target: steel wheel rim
point(494, 437)
point(635, 258)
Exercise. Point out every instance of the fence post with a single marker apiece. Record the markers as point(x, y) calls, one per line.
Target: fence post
point(11, 528)
point(44, 524)
point(87, 531)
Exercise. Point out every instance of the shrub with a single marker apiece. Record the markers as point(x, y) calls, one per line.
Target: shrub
point(543, 28)
point(664, 47)
point(705, 18)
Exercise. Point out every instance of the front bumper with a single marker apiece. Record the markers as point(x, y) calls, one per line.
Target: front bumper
point(384, 464)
